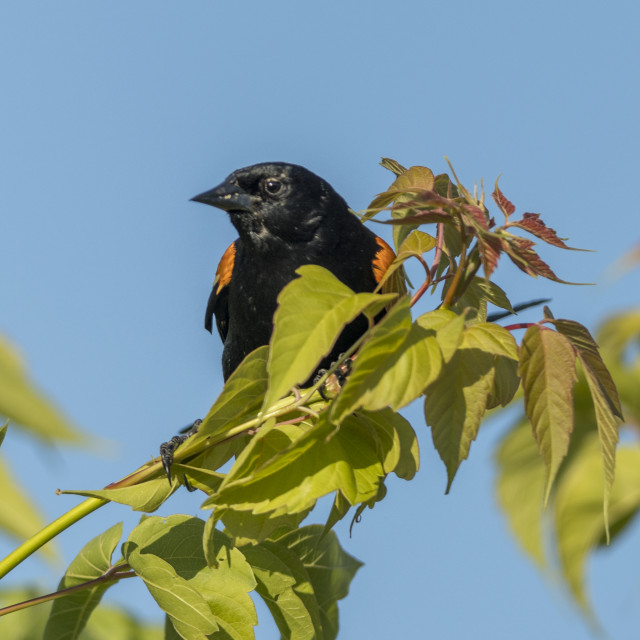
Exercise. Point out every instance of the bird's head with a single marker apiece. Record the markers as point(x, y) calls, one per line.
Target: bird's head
point(275, 200)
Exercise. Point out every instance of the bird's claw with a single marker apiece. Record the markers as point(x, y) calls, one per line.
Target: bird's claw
point(167, 449)
point(334, 383)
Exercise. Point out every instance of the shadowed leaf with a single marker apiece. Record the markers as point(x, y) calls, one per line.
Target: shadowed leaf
point(455, 405)
point(330, 570)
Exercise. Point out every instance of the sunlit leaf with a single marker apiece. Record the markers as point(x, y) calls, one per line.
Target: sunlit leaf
point(605, 398)
point(449, 328)
point(548, 372)
point(392, 368)
point(293, 466)
point(392, 165)
point(304, 334)
point(69, 615)
point(414, 245)
point(147, 496)
point(242, 395)
point(168, 555)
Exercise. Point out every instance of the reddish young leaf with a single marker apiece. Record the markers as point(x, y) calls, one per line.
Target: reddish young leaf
point(490, 248)
point(525, 258)
point(421, 217)
point(475, 216)
point(532, 223)
point(506, 206)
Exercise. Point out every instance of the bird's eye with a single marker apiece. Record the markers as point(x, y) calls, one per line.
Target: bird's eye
point(273, 186)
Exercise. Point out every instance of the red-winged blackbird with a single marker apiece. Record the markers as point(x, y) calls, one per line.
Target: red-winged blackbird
point(286, 217)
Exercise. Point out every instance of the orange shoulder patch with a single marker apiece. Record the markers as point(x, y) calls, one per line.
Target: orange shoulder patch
point(225, 268)
point(384, 257)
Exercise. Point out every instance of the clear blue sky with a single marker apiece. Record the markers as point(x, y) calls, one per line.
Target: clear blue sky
point(114, 114)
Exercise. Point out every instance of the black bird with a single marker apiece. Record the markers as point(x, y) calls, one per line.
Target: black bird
point(286, 217)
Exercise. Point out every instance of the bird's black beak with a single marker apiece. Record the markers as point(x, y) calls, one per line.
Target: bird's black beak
point(226, 196)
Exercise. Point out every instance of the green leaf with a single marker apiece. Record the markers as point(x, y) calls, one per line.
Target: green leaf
point(392, 165)
point(69, 615)
point(506, 382)
point(405, 187)
point(619, 338)
point(413, 246)
point(339, 510)
point(329, 567)
point(241, 397)
point(496, 340)
point(605, 399)
point(19, 517)
point(21, 402)
point(456, 403)
point(408, 182)
point(403, 458)
point(293, 466)
point(199, 478)
point(580, 523)
point(147, 496)
point(449, 328)
point(392, 368)
point(280, 576)
point(491, 338)
point(250, 528)
point(302, 336)
point(520, 488)
point(168, 555)
point(477, 294)
point(548, 372)
point(3, 431)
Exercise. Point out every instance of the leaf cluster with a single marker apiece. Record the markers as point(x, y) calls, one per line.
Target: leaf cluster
point(575, 523)
point(269, 449)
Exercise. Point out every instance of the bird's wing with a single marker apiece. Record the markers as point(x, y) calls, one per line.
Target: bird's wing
point(382, 261)
point(218, 303)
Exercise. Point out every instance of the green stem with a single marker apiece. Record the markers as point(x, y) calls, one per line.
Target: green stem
point(48, 533)
point(449, 298)
point(146, 472)
point(113, 575)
